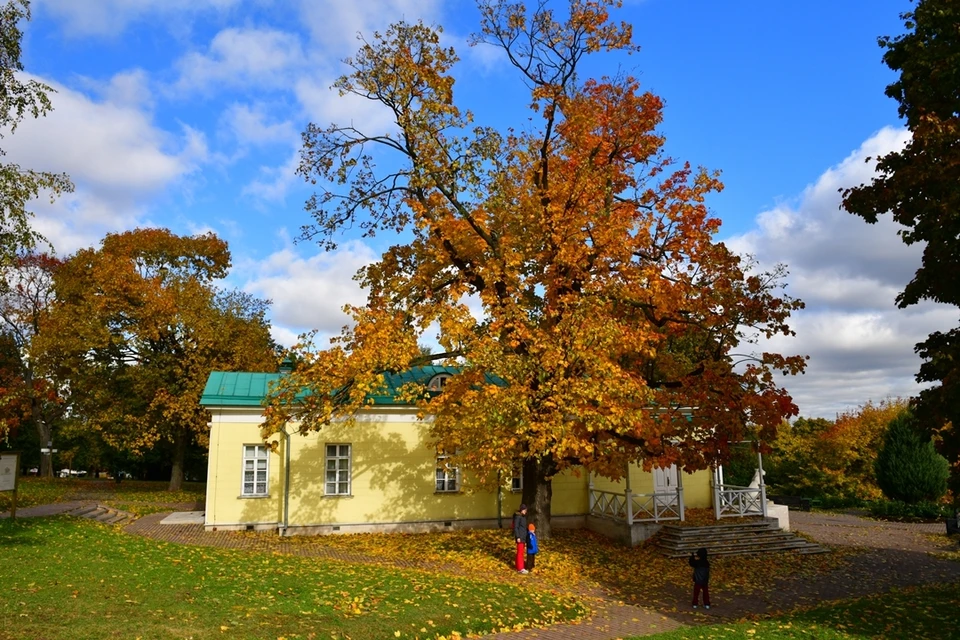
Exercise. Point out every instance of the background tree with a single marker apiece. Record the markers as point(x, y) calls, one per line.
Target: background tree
point(908, 467)
point(832, 459)
point(19, 99)
point(607, 304)
point(25, 298)
point(13, 410)
point(137, 326)
point(920, 186)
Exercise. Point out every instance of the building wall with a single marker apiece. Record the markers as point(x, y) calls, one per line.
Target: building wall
point(225, 506)
point(393, 480)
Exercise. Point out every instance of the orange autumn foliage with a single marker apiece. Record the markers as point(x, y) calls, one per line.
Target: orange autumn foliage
point(832, 459)
point(136, 328)
point(606, 302)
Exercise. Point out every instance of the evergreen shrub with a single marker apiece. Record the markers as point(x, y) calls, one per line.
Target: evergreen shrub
point(908, 468)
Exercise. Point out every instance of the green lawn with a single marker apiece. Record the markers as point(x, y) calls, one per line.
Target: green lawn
point(925, 612)
point(34, 491)
point(68, 578)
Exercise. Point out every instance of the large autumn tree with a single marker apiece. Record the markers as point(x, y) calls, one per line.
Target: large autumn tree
point(919, 186)
point(24, 299)
point(607, 303)
point(136, 328)
point(20, 98)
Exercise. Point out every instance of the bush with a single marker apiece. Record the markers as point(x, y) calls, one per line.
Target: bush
point(741, 467)
point(897, 509)
point(908, 468)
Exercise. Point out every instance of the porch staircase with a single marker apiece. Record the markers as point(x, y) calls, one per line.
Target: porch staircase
point(104, 514)
point(748, 538)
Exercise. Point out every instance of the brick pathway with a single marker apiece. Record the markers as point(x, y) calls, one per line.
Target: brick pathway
point(889, 555)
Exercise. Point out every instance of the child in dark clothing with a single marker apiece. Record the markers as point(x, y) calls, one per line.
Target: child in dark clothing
point(532, 547)
point(520, 533)
point(701, 577)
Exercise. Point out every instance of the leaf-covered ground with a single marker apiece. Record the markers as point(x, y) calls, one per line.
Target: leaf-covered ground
point(581, 559)
point(915, 614)
point(71, 578)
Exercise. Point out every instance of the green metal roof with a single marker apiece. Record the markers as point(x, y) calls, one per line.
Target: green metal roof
point(245, 389)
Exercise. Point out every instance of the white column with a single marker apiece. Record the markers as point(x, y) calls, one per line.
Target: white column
point(680, 492)
point(716, 493)
point(763, 486)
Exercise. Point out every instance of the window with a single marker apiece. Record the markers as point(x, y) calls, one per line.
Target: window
point(338, 470)
point(448, 477)
point(516, 480)
point(438, 382)
point(255, 463)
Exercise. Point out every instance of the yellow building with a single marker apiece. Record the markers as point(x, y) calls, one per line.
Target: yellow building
point(382, 474)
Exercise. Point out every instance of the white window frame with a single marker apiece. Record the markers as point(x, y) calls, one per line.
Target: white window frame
point(438, 382)
point(338, 459)
point(446, 474)
point(260, 475)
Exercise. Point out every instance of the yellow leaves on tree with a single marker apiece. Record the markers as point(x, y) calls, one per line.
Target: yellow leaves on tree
point(832, 459)
point(606, 302)
point(137, 327)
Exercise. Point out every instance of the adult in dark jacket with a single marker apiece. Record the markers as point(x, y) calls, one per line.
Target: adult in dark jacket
point(701, 577)
point(520, 534)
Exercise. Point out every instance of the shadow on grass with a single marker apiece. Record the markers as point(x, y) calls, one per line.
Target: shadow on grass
point(18, 533)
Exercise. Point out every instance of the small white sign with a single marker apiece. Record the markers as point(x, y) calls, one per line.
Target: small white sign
point(8, 471)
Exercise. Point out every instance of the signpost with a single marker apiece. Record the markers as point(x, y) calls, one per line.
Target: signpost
point(9, 475)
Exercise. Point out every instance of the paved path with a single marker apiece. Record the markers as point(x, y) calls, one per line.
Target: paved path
point(53, 509)
point(889, 555)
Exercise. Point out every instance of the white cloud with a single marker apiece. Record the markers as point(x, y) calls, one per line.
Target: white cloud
point(111, 17)
point(336, 24)
point(251, 125)
point(274, 182)
point(249, 58)
point(309, 293)
point(848, 273)
point(115, 155)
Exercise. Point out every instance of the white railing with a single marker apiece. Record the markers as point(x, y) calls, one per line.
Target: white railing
point(731, 501)
point(654, 507)
point(607, 504)
point(643, 507)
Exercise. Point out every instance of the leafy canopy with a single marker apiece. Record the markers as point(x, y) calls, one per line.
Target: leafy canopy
point(137, 327)
point(18, 100)
point(919, 186)
point(832, 459)
point(606, 302)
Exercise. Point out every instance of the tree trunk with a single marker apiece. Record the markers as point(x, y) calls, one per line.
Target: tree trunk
point(44, 431)
point(179, 459)
point(538, 492)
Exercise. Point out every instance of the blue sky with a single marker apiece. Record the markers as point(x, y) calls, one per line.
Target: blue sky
point(187, 114)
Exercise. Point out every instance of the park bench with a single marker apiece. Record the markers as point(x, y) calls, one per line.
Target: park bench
point(792, 502)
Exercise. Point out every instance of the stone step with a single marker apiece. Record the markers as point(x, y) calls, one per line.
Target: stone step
point(729, 544)
point(735, 544)
point(758, 522)
point(104, 514)
point(708, 535)
point(806, 549)
point(745, 538)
